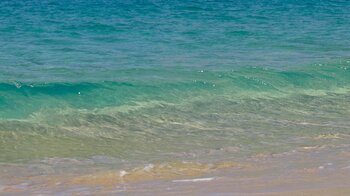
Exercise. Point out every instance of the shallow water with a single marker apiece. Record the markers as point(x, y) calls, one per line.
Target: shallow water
point(206, 115)
point(108, 85)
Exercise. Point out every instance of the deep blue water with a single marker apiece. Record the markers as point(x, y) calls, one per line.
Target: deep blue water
point(85, 40)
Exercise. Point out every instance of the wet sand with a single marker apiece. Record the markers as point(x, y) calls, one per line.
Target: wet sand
point(321, 192)
point(285, 176)
point(305, 171)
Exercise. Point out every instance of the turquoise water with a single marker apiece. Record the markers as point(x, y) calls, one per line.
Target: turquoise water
point(155, 81)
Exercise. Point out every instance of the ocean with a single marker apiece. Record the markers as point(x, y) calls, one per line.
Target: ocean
point(122, 84)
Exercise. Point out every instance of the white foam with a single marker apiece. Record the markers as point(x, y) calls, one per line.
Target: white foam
point(195, 180)
point(148, 167)
point(122, 173)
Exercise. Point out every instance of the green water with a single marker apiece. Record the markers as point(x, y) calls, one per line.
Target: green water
point(177, 113)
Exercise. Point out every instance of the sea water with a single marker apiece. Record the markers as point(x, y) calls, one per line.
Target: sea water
point(140, 82)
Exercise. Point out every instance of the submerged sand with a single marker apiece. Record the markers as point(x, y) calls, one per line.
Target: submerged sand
point(305, 171)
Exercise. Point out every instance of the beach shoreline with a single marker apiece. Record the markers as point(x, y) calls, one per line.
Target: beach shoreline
point(307, 171)
point(177, 97)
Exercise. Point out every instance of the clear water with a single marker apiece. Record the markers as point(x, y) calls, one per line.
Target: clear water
point(149, 81)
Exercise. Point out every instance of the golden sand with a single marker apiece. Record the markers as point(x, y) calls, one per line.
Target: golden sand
point(168, 171)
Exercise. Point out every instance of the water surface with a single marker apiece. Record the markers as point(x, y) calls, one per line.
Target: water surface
point(127, 84)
